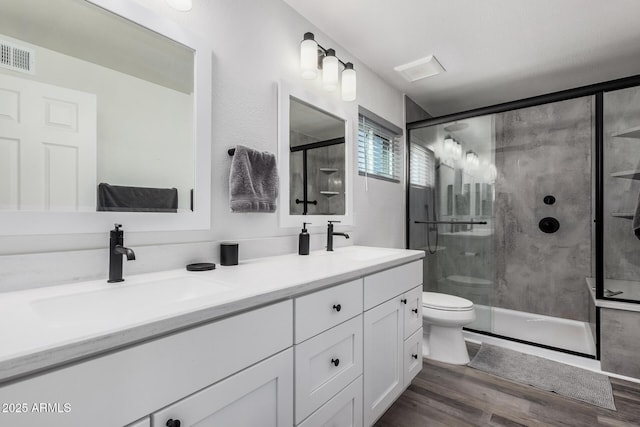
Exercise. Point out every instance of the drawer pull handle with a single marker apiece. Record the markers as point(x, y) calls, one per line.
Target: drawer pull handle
point(403, 300)
point(337, 307)
point(415, 310)
point(335, 361)
point(173, 423)
point(415, 356)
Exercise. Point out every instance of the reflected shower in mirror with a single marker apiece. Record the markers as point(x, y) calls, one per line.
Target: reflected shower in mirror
point(93, 98)
point(316, 161)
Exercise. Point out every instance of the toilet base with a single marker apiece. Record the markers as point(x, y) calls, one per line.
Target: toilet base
point(445, 344)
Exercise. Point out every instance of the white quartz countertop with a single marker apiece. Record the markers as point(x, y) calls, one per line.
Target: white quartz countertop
point(50, 326)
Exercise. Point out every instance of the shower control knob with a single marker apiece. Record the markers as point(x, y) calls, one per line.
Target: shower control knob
point(549, 225)
point(415, 310)
point(403, 300)
point(173, 423)
point(415, 356)
point(335, 361)
point(337, 307)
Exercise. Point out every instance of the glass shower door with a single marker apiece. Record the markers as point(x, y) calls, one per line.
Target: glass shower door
point(451, 195)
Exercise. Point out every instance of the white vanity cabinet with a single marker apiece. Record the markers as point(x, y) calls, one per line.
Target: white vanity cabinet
point(129, 384)
point(392, 336)
point(146, 422)
point(261, 395)
point(338, 356)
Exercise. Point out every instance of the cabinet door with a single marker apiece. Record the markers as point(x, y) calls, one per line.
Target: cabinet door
point(412, 356)
point(261, 395)
point(413, 311)
point(383, 357)
point(343, 410)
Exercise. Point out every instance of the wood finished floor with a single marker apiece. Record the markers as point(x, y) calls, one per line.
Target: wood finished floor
point(449, 395)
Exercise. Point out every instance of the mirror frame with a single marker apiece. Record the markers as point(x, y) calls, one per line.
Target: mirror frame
point(285, 91)
point(50, 222)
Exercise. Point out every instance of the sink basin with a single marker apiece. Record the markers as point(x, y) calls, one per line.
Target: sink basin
point(125, 299)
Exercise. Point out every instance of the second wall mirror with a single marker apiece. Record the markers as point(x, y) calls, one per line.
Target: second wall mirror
point(314, 152)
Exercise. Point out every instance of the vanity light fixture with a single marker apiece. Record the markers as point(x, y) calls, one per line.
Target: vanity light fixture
point(314, 56)
point(472, 159)
point(181, 5)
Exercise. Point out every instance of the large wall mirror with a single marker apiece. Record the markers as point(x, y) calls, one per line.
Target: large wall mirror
point(314, 157)
point(98, 108)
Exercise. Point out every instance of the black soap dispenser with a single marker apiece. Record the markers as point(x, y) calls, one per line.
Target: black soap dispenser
point(303, 240)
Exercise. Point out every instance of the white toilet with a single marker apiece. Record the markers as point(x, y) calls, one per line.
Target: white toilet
point(443, 317)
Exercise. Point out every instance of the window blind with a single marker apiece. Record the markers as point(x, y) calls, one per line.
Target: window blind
point(422, 166)
point(379, 152)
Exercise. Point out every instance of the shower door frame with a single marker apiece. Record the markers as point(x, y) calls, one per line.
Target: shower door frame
point(597, 90)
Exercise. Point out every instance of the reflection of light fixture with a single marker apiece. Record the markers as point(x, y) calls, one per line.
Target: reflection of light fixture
point(472, 158)
point(449, 145)
point(311, 53)
point(458, 149)
point(181, 5)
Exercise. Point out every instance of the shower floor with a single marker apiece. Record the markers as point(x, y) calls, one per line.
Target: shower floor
point(571, 335)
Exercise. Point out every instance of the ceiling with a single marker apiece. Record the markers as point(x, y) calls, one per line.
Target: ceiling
point(493, 50)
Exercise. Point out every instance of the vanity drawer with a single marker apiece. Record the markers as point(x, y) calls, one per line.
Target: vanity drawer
point(387, 284)
point(343, 410)
point(412, 356)
point(413, 311)
point(325, 365)
point(324, 309)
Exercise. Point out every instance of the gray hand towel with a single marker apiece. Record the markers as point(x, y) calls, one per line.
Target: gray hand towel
point(636, 219)
point(253, 181)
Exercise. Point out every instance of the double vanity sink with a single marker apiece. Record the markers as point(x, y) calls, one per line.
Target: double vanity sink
point(67, 322)
point(345, 327)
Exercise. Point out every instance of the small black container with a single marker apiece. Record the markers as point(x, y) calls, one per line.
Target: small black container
point(228, 254)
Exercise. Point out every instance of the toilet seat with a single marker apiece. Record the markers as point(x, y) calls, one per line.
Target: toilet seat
point(444, 302)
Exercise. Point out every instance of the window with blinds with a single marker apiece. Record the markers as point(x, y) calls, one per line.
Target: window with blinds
point(422, 166)
point(379, 153)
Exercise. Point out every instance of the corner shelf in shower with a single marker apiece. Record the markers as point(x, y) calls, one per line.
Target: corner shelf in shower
point(628, 133)
point(631, 174)
point(328, 170)
point(625, 215)
point(330, 193)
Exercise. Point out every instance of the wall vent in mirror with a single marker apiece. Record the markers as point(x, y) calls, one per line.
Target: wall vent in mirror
point(17, 58)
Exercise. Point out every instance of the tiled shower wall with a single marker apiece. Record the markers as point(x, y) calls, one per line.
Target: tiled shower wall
point(621, 246)
point(544, 150)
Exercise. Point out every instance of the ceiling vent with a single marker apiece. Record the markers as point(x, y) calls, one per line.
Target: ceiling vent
point(17, 58)
point(420, 69)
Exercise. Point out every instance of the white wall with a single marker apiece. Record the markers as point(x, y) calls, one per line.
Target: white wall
point(255, 44)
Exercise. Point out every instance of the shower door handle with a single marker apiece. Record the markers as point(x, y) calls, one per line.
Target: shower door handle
point(452, 222)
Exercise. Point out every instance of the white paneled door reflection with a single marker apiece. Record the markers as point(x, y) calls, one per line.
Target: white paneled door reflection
point(47, 147)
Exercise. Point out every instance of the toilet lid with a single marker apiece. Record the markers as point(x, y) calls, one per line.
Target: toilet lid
point(445, 302)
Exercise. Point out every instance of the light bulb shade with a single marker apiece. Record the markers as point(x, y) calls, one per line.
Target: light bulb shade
point(309, 57)
point(330, 71)
point(348, 83)
point(181, 5)
point(449, 145)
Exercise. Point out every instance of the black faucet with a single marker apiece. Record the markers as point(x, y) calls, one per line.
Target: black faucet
point(116, 250)
point(330, 235)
